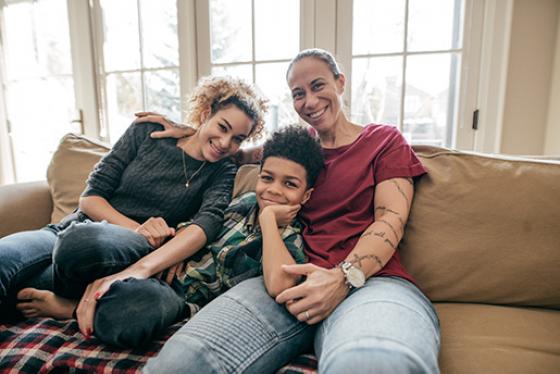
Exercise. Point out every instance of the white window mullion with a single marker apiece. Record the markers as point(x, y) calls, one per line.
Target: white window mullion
point(186, 29)
point(404, 62)
point(203, 37)
point(7, 166)
point(343, 50)
point(307, 24)
point(81, 40)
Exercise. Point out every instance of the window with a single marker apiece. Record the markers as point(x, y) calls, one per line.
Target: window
point(255, 40)
point(411, 63)
point(38, 83)
point(405, 66)
point(138, 61)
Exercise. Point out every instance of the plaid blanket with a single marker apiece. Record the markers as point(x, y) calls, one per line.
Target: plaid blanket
point(44, 345)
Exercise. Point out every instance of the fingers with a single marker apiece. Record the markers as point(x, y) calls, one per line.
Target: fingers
point(143, 114)
point(173, 271)
point(292, 293)
point(85, 311)
point(300, 269)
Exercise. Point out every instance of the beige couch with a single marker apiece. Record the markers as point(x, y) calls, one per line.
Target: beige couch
point(483, 241)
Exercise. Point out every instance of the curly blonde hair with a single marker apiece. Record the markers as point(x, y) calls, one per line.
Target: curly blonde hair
point(217, 93)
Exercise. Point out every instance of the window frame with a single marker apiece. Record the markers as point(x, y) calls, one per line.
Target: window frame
point(483, 72)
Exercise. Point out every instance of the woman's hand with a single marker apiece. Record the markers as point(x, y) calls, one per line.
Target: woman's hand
point(94, 291)
point(171, 129)
point(283, 214)
point(156, 231)
point(314, 300)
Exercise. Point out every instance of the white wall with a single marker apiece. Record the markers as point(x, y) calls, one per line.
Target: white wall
point(530, 69)
point(552, 139)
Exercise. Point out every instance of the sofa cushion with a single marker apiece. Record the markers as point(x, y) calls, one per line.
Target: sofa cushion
point(485, 229)
point(480, 338)
point(68, 171)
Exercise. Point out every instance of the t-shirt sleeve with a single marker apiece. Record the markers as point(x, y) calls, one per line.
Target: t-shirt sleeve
point(106, 175)
point(397, 160)
point(294, 244)
point(215, 200)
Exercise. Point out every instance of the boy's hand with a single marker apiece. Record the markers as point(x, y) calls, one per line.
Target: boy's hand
point(171, 129)
point(282, 214)
point(156, 231)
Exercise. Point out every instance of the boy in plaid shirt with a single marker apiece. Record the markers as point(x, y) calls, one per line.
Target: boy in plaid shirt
point(260, 232)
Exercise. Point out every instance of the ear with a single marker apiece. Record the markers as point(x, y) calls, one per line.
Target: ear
point(204, 115)
point(341, 83)
point(306, 196)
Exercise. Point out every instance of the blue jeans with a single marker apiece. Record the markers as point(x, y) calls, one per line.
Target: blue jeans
point(387, 326)
point(131, 313)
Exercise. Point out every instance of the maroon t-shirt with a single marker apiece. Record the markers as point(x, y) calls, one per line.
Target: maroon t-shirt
point(341, 207)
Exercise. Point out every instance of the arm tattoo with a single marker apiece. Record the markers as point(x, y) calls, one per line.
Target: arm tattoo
point(409, 180)
point(391, 227)
point(358, 260)
point(385, 209)
point(401, 192)
point(390, 243)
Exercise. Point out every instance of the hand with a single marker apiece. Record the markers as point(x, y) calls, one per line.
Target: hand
point(175, 271)
point(283, 214)
point(94, 291)
point(318, 295)
point(156, 231)
point(171, 129)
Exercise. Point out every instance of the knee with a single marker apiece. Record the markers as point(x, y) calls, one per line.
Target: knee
point(183, 354)
point(134, 311)
point(73, 245)
point(371, 355)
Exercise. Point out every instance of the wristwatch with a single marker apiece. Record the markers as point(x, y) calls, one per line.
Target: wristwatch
point(355, 278)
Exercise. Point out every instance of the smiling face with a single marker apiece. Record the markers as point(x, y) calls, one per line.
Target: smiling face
point(221, 134)
point(283, 182)
point(316, 94)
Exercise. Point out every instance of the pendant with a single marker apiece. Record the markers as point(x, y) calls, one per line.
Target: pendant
point(187, 185)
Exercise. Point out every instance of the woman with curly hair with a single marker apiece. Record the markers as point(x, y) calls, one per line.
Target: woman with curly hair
point(106, 254)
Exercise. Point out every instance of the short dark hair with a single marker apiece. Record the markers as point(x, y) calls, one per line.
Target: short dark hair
point(296, 144)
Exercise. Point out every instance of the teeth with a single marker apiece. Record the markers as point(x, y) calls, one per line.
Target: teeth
point(317, 114)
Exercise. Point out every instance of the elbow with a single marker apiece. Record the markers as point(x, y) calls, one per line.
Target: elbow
point(84, 203)
point(276, 284)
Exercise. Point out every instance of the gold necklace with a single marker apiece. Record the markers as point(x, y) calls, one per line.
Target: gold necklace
point(185, 170)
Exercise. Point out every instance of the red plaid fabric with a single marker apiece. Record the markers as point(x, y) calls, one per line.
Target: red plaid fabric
point(48, 346)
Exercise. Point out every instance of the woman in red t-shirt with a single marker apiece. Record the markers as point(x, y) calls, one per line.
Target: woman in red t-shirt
point(357, 304)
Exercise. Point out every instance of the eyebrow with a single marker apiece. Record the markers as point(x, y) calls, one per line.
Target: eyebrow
point(292, 177)
point(227, 123)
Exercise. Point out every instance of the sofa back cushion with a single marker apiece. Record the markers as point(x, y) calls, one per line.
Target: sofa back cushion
point(485, 229)
point(68, 171)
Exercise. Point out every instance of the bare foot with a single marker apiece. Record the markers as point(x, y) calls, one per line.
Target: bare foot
point(41, 303)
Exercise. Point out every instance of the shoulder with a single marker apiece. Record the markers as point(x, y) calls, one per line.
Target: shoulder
point(243, 204)
point(385, 137)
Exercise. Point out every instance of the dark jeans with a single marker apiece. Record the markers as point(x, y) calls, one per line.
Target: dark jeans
point(132, 312)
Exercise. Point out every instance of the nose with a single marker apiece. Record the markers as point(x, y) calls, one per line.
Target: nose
point(311, 100)
point(273, 189)
point(225, 143)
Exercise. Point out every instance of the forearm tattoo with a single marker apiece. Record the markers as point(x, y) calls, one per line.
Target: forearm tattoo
point(401, 192)
point(358, 260)
point(387, 210)
point(397, 237)
point(380, 234)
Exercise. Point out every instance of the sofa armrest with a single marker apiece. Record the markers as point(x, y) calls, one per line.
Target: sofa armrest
point(24, 206)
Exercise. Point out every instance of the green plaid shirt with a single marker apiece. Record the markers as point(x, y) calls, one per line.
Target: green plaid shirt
point(235, 255)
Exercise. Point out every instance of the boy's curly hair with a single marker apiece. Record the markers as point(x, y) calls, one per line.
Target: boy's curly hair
point(296, 144)
point(218, 92)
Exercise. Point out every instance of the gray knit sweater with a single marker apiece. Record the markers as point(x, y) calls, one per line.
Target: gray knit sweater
point(143, 177)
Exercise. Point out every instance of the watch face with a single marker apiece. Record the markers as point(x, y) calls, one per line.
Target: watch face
point(355, 277)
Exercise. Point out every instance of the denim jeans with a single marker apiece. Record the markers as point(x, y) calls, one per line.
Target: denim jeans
point(24, 260)
point(131, 313)
point(387, 326)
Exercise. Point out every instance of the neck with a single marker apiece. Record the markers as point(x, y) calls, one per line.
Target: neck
point(341, 133)
point(191, 146)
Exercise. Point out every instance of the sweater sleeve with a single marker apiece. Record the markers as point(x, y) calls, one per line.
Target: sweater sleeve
point(106, 175)
point(215, 200)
